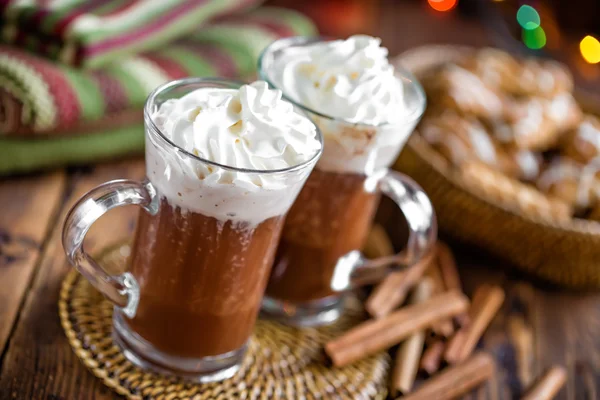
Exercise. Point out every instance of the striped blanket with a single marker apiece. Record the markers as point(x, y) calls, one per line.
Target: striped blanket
point(93, 33)
point(52, 114)
point(40, 97)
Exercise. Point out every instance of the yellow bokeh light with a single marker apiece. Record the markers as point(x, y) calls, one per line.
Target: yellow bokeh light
point(590, 49)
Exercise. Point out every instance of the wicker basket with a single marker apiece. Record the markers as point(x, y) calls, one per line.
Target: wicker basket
point(563, 253)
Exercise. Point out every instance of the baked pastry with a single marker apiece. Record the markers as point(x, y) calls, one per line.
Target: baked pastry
point(582, 143)
point(537, 123)
point(563, 110)
point(530, 77)
point(490, 183)
point(453, 87)
point(576, 184)
point(496, 118)
point(460, 139)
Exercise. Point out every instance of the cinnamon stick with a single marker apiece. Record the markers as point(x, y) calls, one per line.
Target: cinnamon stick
point(452, 353)
point(521, 336)
point(436, 275)
point(392, 291)
point(443, 328)
point(447, 265)
point(376, 335)
point(486, 303)
point(409, 353)
point(449, 274)
point(456, 380)
point(549, 385)
point(378, 243)
point(432, 357)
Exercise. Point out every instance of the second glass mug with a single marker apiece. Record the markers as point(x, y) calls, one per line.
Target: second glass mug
point(329, 222)
point(200, 259)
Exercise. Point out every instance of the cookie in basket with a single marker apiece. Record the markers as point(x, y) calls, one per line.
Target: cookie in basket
point(537, 123)
point(530, 77)
point(460, 139)
point(510, 193)
point(453, 87)
point(482, 206)
point(576, 184)
point(582, 143)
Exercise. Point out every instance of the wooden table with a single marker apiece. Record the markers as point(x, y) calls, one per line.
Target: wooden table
point(36, 361)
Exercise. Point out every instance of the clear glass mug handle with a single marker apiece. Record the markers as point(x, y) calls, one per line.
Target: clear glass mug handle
point(354, 270)
point(122, 289)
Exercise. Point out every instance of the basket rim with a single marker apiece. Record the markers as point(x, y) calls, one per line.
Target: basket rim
point(448, 52)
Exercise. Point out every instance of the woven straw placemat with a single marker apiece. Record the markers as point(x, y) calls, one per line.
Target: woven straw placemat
point(281, 363)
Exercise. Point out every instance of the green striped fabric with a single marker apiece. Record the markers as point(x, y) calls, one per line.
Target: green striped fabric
point(57, 115)
point(93, 33)
point(21, 155)
point(53, 98)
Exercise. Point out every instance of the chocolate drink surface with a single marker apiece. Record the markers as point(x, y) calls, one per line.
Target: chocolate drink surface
point(331, 217)
point(201, 280)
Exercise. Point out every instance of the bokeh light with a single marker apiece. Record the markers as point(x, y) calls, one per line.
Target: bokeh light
point(528, 17)
point(534, 38)
point(442, 5)
point(590, 49)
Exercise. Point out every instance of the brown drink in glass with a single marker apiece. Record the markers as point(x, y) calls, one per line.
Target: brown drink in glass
point(222, 172)
point(330, 220)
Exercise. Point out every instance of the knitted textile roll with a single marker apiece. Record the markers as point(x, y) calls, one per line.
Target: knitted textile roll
point(43, 97)
point(48, 113)
point(92, 33)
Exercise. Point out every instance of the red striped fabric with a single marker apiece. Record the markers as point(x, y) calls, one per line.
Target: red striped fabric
point(94, 50)
point(115, 97)
point(62, 25)
point(170, 67)
point(62, 92)
point(145, 30)
point(122, 8)
point(220, 61)
point(67, 87)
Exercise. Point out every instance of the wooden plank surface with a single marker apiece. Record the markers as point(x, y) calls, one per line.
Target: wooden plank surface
point(538, 326)
point(39, 364)
point(562, 327)
point(28, 207)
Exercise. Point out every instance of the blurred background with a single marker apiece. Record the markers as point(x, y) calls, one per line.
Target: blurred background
point(567, 30)
point(74, 75)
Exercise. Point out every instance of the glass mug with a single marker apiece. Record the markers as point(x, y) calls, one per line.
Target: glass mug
point(318, 256)
point(192, 291)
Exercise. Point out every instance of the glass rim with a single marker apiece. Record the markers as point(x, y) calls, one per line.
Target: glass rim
point(399, 72)
point(233, 84)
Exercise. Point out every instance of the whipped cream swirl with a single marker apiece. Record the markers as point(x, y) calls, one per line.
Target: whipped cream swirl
point(250, 129)
point(366, 109)
point(350, 79)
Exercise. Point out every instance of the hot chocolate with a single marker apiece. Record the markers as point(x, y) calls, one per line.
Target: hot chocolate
point(224, 164)
point(203, 259)
point(202, 278)
point(331, 217)
point(366, 113)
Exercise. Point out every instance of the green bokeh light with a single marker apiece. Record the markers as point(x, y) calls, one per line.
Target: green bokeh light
point(528, 17)
point(534, 38)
